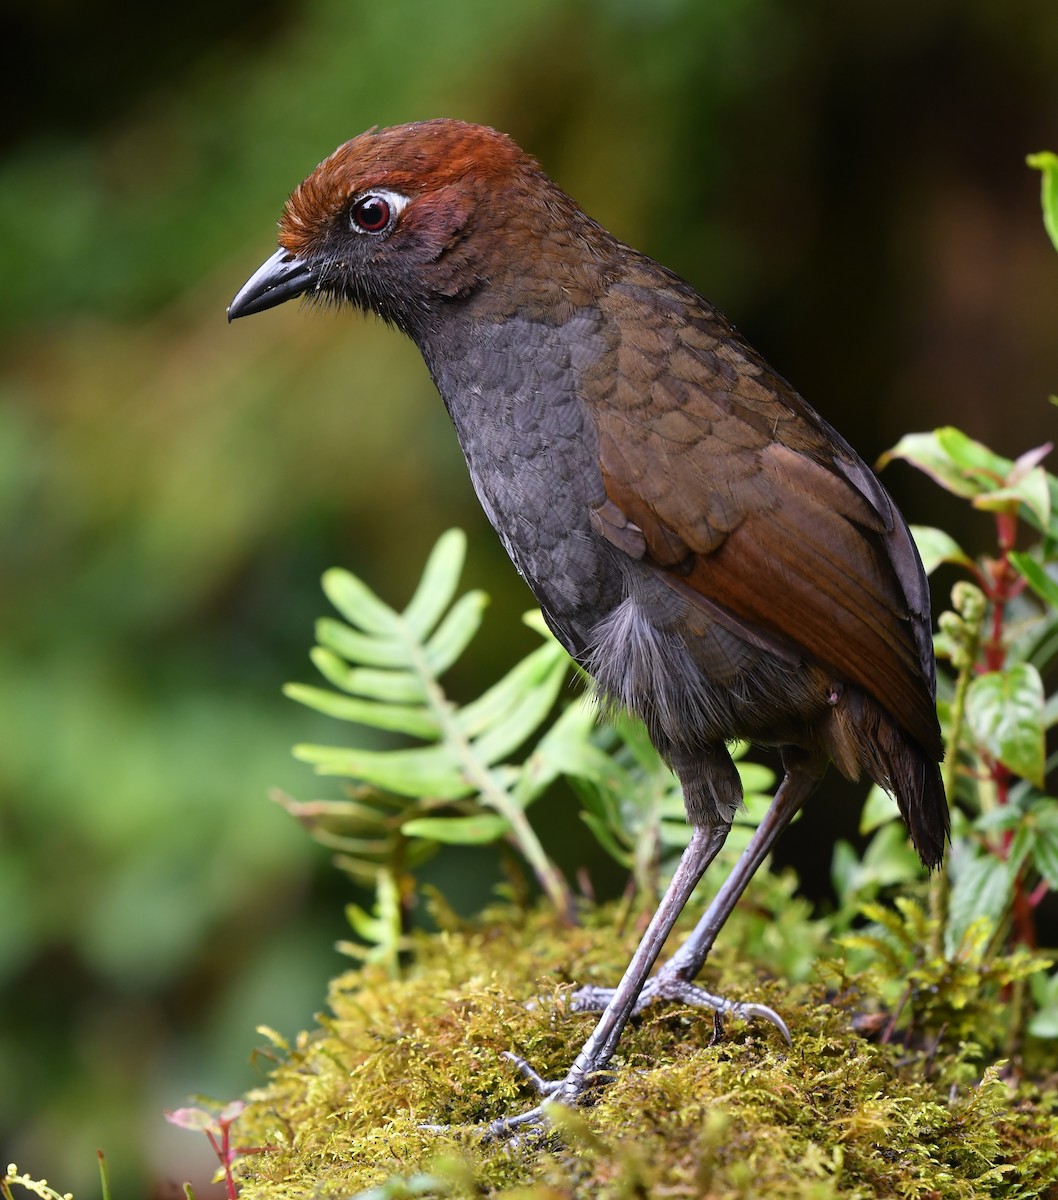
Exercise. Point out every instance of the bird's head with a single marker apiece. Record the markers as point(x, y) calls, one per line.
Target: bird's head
point(401, 221)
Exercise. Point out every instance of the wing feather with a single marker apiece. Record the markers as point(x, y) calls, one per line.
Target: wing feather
point(739, 495)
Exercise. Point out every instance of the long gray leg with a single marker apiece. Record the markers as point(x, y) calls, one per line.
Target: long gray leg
point(598, 1049)
point(674, 980)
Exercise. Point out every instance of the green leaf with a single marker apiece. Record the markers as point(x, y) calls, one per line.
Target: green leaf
point(1044, 1024)
point(395, 687)
point(358, 603)
point(1032, 490)
point(923, 450)
point(455, 632)
point(1047, 162)
point(984, 888)
point(878, 809)
point(754, 809)
point(757, 779)
point(400, 718)
point(633, 733)
point(1036, 575)
point(958, 463)
point(428, 771)
point(1004, 710)
point(534, 619)
point(1020, 848)
point(381, 928)
point(936, 547)
point(1045, 994)
point(438, 584)
point(476, 830)
point(678, 834)
point(887, 860)
point(510, 729)
point(973, 457)
point(475, 717)
point(376, 850)
point(1005, 816)
point(360, 648)
point(1045, 855)
point(605, 837)
point(565, 749)
point(342, 816)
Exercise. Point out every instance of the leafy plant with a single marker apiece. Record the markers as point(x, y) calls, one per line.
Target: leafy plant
point(927, 992)
point(216, 1122)
point(1000, 640)
point(456, 783)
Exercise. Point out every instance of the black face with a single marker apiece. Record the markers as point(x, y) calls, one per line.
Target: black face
point(342, 268)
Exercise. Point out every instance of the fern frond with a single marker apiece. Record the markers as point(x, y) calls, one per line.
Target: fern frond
point(386, 666)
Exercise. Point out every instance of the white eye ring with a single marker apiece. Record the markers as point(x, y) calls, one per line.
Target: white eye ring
point(376, 211)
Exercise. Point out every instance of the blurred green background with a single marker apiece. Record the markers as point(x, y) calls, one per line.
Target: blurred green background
point(847, 181)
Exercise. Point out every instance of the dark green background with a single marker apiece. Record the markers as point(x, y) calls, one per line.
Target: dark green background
point(846, 180)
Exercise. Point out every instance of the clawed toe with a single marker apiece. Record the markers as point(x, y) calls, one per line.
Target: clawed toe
point(544, 1087)
point(567, 1091)
point(672, 988)
point(512, 1129)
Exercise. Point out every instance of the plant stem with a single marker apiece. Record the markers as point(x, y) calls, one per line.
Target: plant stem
point(548, 875)
point(940, 884)
point(1004, 584)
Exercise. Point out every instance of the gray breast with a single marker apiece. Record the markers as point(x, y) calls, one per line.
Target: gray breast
point(533, 458)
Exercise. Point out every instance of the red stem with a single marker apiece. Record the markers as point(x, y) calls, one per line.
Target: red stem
point(1002, 583)
point(224, 1152)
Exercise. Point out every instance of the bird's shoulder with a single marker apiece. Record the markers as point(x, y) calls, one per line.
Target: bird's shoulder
point(694, 424)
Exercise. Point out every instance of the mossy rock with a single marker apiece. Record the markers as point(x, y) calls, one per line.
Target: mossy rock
point(689, 1114)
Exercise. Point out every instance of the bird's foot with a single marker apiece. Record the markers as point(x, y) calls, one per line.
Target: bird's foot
point(568, 1091)
point(668, 986)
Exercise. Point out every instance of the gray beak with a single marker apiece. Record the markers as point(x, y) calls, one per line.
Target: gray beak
point(282, 277)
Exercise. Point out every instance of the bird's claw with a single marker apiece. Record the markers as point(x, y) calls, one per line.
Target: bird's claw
point(511, 1129)
point(761, 1012)
point(566, 1091)
point(544, 1087)
point(672, 988)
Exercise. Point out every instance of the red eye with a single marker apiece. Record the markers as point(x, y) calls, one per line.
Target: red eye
point(371, 214)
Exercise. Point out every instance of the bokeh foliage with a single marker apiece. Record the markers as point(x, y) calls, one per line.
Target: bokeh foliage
point(847, 183)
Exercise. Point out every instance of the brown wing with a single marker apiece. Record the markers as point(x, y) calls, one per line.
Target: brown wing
point(750, 502)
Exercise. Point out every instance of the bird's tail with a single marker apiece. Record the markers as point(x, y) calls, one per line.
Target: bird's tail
point(914, 779)
point(899, 762)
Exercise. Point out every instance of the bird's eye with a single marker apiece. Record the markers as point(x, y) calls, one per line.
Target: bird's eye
point(374, 212)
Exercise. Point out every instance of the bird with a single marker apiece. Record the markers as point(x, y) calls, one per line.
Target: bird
point(716, 557)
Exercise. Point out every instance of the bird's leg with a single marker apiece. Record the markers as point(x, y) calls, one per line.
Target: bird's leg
point(801, 780)
point(674, 980)
point(597, 1051)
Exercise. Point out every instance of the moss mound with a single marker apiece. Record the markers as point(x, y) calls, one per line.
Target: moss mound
point(688, 1115)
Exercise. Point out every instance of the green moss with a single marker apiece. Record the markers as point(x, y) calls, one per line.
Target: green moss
point(832, 1116)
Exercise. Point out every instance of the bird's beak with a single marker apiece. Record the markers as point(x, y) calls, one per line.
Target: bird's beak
point(282, 277)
